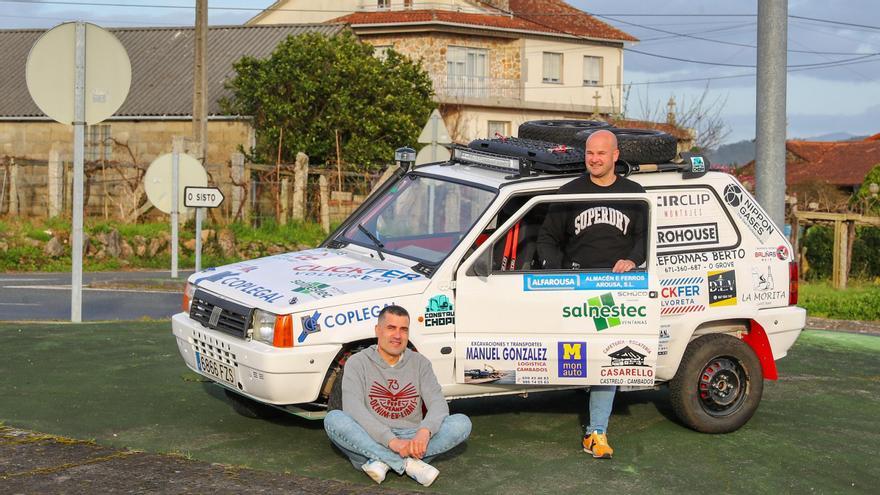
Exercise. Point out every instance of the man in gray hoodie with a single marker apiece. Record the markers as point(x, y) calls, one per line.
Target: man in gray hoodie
point(385, 389)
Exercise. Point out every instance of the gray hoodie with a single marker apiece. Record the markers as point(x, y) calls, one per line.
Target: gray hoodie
point(380, 397)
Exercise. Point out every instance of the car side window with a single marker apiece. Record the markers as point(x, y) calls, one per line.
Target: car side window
point(574, 235)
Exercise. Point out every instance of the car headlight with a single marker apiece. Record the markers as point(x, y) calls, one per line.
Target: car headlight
point(263, 325)
point(188, 291)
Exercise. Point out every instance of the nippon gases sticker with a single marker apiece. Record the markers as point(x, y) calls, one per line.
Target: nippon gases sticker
point(749, 211)
point(586, 281)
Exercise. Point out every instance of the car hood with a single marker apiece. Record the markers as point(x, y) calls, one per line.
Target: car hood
point(304, 280)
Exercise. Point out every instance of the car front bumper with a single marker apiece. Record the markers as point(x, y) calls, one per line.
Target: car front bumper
point(279, 376)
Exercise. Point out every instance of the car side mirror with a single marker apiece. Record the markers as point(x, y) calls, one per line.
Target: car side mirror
point(481, 266)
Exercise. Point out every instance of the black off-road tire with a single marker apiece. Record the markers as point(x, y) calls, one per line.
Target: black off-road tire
point(718, 385)
point(250, 408)
point(559, 131)
point(334, 400)
point(640, 145)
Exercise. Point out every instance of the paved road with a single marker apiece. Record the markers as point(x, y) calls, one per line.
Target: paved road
point(46, 296)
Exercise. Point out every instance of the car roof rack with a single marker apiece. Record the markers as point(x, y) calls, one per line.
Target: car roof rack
point(528, 157)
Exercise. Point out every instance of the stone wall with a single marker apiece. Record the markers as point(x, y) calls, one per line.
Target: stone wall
point(505, 55)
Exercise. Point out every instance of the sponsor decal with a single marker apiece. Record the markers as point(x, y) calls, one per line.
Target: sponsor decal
point(699, 234)
point(231, 279)
point(726, 259)
point(605, 313)
point(683, 204)
point(627, 364)
point(521, 362)
point(572, 359)
point(315, 289)
point(679, 295)
point(310, 325)
point(439, 312)
point(585, 281)
point(393, 401)
point(663, 345)
point(764, 290)
point(359, 315)
point(697, 164)
point(380, 275)
point(507, 353)
point(782, 253)
point(765, 254)
point(749, 211)
point(722, 288)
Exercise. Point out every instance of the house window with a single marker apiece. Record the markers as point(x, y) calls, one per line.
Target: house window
point(592, 71)
point(499, 128)
point(99, 146)
point(381, 51)
point(384, 4)
point(552, 68)
point(466, 71)
point(407, 4)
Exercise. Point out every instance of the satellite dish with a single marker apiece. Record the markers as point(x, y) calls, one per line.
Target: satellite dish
point(51, 77)
point(157, 180)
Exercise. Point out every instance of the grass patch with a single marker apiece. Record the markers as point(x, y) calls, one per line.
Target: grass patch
point(857, 302)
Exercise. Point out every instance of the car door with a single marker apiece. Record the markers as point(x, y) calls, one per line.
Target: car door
point(556, 327)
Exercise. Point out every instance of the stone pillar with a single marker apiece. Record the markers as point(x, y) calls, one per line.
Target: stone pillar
point(13, 188)
point(300, 183)
point(239, 188)
point(284, 200)
point(56, 182)
point(325, 203)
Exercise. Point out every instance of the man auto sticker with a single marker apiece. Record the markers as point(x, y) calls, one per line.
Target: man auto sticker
point(722, 288)
point(572, 359)
point(438, 312)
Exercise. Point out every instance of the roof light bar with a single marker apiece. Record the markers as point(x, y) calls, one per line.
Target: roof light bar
point(506, 163)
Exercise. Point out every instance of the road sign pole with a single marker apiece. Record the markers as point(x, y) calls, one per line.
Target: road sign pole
point(79, 111)
point(176, 150)
point(199, 213)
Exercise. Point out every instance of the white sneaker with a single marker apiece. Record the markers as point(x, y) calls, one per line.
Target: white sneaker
point(376, 470)
point(420, 471)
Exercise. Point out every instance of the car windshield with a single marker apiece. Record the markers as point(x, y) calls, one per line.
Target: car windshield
point(422, 218)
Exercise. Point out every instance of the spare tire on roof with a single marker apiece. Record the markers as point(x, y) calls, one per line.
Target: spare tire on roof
point(559, 131)
point(639, 145)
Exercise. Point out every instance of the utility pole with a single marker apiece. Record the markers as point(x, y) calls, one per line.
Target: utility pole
point(200, 82)
point(770, 110)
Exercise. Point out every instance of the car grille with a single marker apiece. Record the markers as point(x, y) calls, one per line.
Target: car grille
point(228, 317)
point(213, 348)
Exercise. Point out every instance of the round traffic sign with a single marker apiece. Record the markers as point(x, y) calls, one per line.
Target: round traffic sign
point(157, 180)
point(51, 73)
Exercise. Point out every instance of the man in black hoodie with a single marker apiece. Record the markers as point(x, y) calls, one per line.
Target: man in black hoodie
point(605, 236)
point(381, 425)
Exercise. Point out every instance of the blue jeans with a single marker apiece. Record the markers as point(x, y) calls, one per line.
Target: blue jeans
point(357, 444)
point(601, 403)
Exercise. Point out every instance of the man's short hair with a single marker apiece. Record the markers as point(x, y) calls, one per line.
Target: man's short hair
point(394, 310)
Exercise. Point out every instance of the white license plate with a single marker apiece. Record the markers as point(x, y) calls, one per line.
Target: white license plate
point(216, 369)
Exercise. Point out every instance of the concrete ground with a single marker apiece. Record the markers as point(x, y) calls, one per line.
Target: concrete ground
point(123, 387)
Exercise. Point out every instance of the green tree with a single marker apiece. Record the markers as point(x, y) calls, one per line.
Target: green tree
point(312, 86)
point(864, 198)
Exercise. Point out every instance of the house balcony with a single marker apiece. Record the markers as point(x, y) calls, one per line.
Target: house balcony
point(481, 91)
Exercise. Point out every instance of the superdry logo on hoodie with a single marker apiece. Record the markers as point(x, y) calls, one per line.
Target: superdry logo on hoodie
point(393, 405)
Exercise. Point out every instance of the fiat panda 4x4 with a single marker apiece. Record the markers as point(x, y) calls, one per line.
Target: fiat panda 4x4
point(708, 314)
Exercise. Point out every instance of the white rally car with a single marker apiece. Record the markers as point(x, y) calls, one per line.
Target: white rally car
point(708, 314)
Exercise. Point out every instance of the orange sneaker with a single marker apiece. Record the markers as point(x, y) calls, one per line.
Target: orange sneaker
point(597, 444)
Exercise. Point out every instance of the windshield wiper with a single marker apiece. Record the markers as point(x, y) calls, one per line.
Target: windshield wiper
point(373, 238)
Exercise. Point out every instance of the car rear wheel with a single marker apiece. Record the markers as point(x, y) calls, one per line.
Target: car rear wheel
point(718, 385)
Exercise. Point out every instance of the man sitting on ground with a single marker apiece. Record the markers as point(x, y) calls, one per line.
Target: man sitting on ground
point(381, 425)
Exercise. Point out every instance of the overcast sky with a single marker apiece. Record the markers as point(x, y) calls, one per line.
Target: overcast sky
point(821, 100)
